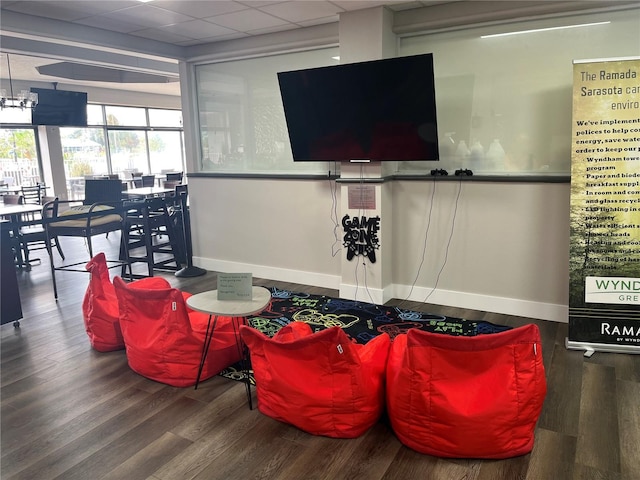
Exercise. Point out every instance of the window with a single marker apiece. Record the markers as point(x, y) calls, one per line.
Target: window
point(115, 143)
point(505, 103)
point(95, 115)
point(165, 118)
point(117, 140)
point(164, 148)
point(15, 115)
point(84, 152)
point(19, 156)
point(241, 118)
point(129, 116)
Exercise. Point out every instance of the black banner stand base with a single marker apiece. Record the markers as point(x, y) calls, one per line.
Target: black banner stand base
point(190, 271)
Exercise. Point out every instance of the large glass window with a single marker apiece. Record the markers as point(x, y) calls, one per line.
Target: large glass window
point(113, 145)
point(18, 156)
point(165, 118)
point(129, 116)
point(95, 115)
point(241, 118)
point(15, 115)
point(118, 140)
point(84, 151)
point(504, 102)
point(164, 150)
point(128, 150)
point(85, 155)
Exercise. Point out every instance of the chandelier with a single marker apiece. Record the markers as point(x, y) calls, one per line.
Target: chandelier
point(25, 99)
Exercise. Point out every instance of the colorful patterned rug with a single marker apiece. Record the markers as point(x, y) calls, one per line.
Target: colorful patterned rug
point(362, 321)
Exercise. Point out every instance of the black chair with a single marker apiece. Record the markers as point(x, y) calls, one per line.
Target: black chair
point(174, 176)
point(144, 181)
point(146, 221)
point(148, 180)
point(13, 199)
point(172, 179)
point(171, 186)
point(33, 236)
point(33, 194)
point(102, 211)
point(107, 190)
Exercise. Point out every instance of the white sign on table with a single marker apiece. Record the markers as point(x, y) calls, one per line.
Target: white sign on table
point(235, 286)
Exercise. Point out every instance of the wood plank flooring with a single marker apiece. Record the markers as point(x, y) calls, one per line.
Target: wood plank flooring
point(68, 412)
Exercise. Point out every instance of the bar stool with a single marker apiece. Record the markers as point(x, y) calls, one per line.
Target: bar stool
point(146, 221)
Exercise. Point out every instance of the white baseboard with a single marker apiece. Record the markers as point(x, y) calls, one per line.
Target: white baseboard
point(486, 303)
point(450, 298)
point(272, 273)
point(365, 293)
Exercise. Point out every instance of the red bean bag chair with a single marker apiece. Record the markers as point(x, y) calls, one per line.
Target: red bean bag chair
point(164, 339)
point(100, 306)
point(322, 382)
point(466, 397)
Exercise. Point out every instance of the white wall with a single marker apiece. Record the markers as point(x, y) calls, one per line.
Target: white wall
point(508, 245)
point(279, 229)
point(508, 252)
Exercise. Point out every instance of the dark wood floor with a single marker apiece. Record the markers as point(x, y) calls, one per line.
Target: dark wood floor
point(69, 412)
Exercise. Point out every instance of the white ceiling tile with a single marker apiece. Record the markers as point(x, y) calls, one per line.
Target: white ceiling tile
point(261, 3)
point(223, 38)
point(54, 10)
point(318, 21)
point(361, 4)
point(200, 8)
point(160, 35)
point(302, 11)
point(108, 23)
point(398, 7)
point(281, 28)
point(246, 20)
point(92, 7)
point(198, 29)
point(148, 16)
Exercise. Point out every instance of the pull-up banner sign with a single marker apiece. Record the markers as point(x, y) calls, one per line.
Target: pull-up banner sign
point(604, 290)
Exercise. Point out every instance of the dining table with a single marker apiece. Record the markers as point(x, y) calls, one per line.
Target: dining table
point(5, 189)
point(147, 192)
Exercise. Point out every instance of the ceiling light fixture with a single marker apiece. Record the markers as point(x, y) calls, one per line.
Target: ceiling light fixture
point(25, 99)
point(543, 29)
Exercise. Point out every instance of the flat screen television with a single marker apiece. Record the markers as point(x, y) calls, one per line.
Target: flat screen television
point(381, 110)
point(60, 107)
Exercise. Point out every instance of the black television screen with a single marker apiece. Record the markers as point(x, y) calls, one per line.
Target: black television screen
point(60, 107)
point(377, 111)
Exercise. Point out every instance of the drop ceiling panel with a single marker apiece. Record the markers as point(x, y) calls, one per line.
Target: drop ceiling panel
point(148, 16)
point(303, 11)
point(198, 29)
point(246, 20)
point(112, 24)
point(199, 8)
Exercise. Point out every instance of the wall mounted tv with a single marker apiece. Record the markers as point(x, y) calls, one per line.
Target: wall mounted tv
point(60, 107)
point(381, 110)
